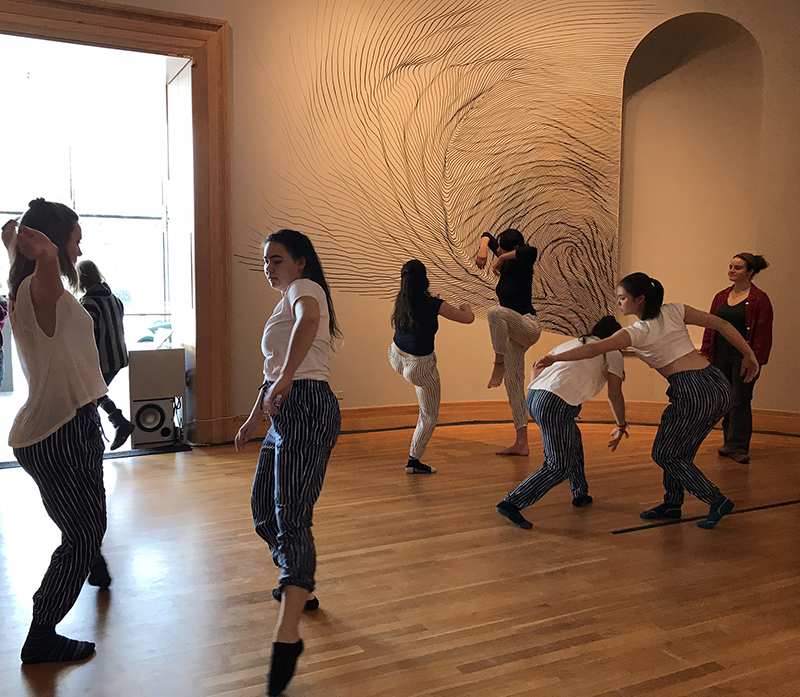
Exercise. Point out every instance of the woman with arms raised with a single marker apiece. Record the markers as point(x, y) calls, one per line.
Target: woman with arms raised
point(56, 435)
point(513, 325)
point(305, 425)
point(698, 392)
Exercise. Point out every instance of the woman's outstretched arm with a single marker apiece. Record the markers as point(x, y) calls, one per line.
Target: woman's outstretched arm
point(616, 342)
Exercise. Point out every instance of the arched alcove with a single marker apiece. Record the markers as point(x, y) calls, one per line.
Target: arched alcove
point(690, 154)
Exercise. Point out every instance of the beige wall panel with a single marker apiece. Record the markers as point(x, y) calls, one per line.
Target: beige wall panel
point(762, 215)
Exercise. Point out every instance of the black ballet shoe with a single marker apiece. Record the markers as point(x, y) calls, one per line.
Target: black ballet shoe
point(663, 510)
point(582, 500)
point(99, 575)
point(417, 467)
point(510, 511)
point(43, 645)
point(282, 666)
point(715, 514)
point(311, 604)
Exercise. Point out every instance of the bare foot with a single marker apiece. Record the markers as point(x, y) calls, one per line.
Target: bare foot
point(515, 449)
point(498, 372)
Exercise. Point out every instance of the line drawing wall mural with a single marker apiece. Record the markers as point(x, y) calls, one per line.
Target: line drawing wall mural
point(405, 130)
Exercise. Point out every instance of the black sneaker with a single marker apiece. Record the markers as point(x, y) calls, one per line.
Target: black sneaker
point(663, 510)
point(510, 511)
point(582, 500)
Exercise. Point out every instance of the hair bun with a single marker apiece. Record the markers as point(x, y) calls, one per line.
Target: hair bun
point(36, 203)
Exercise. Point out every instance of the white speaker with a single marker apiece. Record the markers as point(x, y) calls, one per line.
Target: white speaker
point(158, 391)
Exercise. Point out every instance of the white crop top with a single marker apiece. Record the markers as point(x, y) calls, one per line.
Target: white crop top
point(278, 331)
point(577, 381)
point(663, 339)
point(63, 370)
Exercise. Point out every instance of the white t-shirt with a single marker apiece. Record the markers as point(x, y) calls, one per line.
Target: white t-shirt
point(577, 381)
point(278, 331)
point(63, 370)
point(663, 339)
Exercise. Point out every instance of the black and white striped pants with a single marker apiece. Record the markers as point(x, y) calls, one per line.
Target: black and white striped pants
point(289, 476)
point(420, 371)
point(512, 335)
point(563, 450)
point(67, 466)
point(698, 400)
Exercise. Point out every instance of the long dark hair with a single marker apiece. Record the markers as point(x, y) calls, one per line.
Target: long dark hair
point(88, 275)
point(639, 283)
point(56, 221)
point(300, 247)
point(410, 301)
point(605, 327)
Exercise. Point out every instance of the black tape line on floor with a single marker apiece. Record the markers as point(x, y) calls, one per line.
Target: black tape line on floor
point(735, 511)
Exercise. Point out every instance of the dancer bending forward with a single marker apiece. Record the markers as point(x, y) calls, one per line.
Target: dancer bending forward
point(416, 321)
point(555, 397)
point(698, 392)
point(513, 326)
point(305, 426)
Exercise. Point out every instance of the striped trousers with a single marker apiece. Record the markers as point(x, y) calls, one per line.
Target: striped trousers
point(563, 450)
point(291, 469)
point(67, 466)
point(420, 371)
point(698, 399)
point(512, 335)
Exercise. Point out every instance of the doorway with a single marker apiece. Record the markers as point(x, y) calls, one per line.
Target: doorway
point(91, 129)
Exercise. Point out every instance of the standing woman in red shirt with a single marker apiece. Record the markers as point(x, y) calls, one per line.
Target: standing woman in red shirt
point(748, 309)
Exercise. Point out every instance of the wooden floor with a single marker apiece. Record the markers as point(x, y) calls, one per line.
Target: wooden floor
point(425, 590)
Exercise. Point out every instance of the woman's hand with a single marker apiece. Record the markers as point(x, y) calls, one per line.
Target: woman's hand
point(276, 395)
point(245, 433)
point(750, 367)
point(616, 437)
point(35, 245)
point(497, 266)
point(544, 362)
point(481, 258)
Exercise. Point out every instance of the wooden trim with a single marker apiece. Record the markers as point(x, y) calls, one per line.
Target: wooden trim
point(205, 41)
point(392, 417)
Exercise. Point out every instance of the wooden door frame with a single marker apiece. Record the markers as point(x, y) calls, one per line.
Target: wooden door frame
point(206, 42)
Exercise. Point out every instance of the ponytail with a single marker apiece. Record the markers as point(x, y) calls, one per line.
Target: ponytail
point(640, 284)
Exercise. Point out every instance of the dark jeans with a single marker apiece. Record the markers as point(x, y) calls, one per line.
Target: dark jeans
point(737, 424)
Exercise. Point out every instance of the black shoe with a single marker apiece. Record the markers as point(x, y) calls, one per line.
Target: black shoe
point(123, 432)
point(724, 452)
point(310, 606)
point(663, 510)
point(715, 513)
point(510, 511)
point(282, 665)
point(416, 467)
point(582, 500)
point(741, 458)
point(99, 576)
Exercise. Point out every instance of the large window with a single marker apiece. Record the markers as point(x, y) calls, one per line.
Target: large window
point(88, 127)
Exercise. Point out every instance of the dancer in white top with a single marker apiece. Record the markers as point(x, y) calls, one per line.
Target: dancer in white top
point(698, 392)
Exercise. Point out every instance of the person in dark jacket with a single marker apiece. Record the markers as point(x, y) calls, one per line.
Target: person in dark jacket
point(748, 309)
point(106, 311)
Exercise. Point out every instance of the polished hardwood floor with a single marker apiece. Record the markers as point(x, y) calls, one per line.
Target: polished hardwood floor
point(425, 590)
